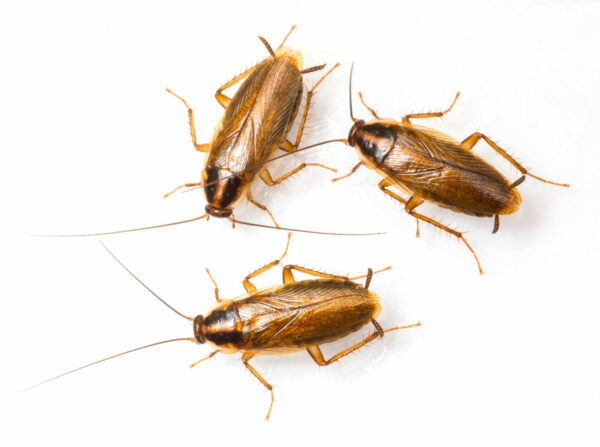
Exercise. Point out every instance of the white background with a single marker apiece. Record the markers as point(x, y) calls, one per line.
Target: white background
point(90, 141)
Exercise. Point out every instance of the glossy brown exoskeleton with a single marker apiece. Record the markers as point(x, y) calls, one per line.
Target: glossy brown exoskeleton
point(254, 126)
point(428, 165)
point(283, 318)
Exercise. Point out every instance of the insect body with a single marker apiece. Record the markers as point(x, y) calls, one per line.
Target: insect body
point(283, 318)
point(254, 125)
point(428, 165)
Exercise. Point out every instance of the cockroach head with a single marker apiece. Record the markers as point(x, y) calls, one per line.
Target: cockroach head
point(354, 130)
point(218, 212)
point(198, 334)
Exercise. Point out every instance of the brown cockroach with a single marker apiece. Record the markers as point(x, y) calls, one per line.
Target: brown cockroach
point(430, 166)
point(253, 127)
point(280, 319)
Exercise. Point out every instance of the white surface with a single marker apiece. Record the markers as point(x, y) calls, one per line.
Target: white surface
point(90, 142)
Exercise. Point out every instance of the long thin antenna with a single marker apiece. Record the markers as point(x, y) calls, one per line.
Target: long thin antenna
point(350, 93)
point(258, 165)
point(145, 286)
point(297, 230)
point(108, 358)
point(123, 231)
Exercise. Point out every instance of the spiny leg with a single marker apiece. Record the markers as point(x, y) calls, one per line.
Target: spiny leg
point(212, 354)
point(199, 147)
point(354, 169)
point(266, 176)
point(286, 36)
point(288, 276)
point(383, 185)
point(406, 119)
point(248, 285)
point(247, 356)
point(354, 278)
point(435, 223)
point(261, 206)
point(215, 283)
point(317, 355)
point(368, 108)
point(472, 139)
point(309, 96)
point(185, 185)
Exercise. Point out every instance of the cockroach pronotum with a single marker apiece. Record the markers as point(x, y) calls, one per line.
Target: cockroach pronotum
point(280, 319)
point(253, 127)
point(428, 165)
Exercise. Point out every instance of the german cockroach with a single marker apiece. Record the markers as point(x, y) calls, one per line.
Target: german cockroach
point(253, 127)
point(280, 319)
point(428, 165)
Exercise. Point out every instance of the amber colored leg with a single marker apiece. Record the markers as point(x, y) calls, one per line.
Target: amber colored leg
point(286, 36)
point(247, 356)
point(185, 185)
point(317, 355)
point(472, 139)
point(288, 277)
point(266, 177)
point(212, 354)
point(221, 98)
point(309, 96)
point(407, 118)
point(354, 169)
point(199, 147)
point(384, 184)
point(435, 223)
point(246, 282)
point(261, 206)
point(215, 283)
point(368, 108)
point(389, 267)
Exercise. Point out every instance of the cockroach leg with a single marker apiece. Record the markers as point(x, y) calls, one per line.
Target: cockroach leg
point(247, 356)
point(220, 97)
point(262, 207)
point(472, 139)
point(496, 223)
point(431, 221)
point(389, 267)
point(212, 354)
point(309, 96)
point(354, 169)
point(215, 283)
point(288, 277)
point(317, 355)
point(368, 108)
point(185, 185)
point(246, 282)
point(286, 36)
point(383, 185)
point(406, 119)
point(412, 203)
point(266, 177)
point(199, 147)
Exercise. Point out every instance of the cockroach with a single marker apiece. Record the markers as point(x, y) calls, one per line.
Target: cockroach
point(253, 127)
point(280, 319)
point(430, 166)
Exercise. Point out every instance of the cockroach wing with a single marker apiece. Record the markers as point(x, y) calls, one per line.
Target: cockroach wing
point(259, 116)
point(435, 167)
point(293, 316)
